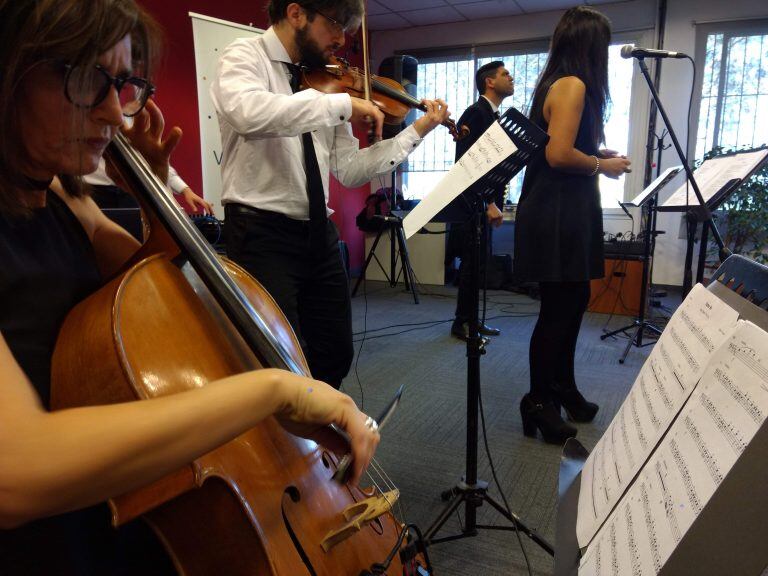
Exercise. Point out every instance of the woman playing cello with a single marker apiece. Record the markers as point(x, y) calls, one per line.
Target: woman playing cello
point(71, 70)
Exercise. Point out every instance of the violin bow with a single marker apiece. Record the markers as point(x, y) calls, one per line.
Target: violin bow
point(372, 138)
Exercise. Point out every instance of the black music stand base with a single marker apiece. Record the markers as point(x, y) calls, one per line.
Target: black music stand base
point(394, 226)
point(640, 326)
point(474, 496)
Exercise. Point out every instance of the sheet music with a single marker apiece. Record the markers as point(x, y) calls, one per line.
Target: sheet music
point(713, 174)
point(720, 419)
point(655, 186)
point(698, 327)
point(492, 148)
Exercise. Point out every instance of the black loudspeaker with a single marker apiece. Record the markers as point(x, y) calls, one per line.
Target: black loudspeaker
point(402, 69)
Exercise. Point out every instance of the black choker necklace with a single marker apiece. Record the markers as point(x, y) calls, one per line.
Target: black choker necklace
point(32, 184)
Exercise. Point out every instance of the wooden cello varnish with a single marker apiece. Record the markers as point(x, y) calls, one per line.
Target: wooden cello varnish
point(258, 505)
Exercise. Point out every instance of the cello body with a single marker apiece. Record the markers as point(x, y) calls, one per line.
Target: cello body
point(260, 504)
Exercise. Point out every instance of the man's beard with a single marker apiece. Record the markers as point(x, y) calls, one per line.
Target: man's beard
point(310, 54)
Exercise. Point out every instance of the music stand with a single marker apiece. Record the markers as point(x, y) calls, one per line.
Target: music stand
point(529, 140)
point(645, 200)
point(720, 176)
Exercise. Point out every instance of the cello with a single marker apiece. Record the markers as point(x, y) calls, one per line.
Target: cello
point(176, 317)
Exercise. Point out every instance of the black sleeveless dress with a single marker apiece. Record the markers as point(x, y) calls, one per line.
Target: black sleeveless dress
point(559, 223)
point(48, 266)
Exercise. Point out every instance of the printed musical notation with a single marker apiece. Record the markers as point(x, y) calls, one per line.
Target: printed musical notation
point(701, 324)
point(490, 149)
point(721, 417)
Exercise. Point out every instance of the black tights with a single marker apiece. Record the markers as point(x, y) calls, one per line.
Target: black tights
point(553, 342)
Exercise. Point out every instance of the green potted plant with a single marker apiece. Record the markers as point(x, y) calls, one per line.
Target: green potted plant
point(743, 217)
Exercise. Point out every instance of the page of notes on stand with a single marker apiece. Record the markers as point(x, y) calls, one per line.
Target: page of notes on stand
point(722, 416)
point(698, 327)
point(490, 150)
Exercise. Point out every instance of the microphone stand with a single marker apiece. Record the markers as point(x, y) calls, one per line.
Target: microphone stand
point(701, 212)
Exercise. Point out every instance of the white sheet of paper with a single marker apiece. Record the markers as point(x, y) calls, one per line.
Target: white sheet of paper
point(713, 174)
point(722, 416)
point(663, 179)
point(493, 147)
point(698, 327)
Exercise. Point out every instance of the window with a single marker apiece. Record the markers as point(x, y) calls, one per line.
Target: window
point(733, 111)
point(453, 80)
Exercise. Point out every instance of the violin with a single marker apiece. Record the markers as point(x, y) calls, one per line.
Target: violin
point(338, 77)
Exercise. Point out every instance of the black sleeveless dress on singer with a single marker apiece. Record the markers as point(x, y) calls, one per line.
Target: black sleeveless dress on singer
point(559, 222)
point(48, 266)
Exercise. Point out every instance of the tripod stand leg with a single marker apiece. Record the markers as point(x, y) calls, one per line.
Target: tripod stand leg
point(634, 339)
point(406, 263)
point(532, 534)
point(447, 512)
point(371, 255)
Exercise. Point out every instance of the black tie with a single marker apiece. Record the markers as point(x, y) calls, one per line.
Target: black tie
point(496, 115)
point(318, 217)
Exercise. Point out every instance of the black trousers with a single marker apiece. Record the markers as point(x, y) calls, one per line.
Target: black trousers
point(311, 287)
point(464, 299)
point(553, 342)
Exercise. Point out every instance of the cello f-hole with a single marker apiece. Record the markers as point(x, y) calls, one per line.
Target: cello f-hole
point(293, 493)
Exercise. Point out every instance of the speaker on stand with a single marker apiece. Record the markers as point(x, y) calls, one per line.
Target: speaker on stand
point(403, 69)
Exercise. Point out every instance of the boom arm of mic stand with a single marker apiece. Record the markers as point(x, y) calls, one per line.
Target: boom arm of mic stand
point(705, 211)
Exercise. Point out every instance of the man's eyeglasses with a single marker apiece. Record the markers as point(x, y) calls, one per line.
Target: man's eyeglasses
point(88, 86)
point(337, 26)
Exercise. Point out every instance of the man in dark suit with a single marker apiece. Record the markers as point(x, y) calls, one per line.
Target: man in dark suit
point(494, 83)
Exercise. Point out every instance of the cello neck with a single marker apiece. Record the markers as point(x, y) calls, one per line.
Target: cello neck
point(137, 174)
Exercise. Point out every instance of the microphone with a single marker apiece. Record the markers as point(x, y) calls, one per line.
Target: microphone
point(631, 51)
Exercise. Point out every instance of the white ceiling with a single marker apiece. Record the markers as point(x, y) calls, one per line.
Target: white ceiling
point(394, 14)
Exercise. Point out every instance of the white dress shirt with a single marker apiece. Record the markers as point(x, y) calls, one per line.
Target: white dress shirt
point(261, 124)
point(493, 106)
point(99, 178)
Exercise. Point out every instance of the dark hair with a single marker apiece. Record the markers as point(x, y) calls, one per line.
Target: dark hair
point(579, 48)
point(486, 71)
point(76, 32)
point(348, 12)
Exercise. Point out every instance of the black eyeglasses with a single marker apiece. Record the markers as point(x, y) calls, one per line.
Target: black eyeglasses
point(88, 86)
point(337, 26)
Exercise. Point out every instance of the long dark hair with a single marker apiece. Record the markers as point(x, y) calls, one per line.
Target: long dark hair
point(579, 48)
point(72, 31)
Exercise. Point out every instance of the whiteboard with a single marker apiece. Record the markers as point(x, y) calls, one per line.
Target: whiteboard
point(211, 36)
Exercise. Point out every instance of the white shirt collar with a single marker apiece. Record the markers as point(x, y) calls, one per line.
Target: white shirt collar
point(493, 106)
point(274, 48)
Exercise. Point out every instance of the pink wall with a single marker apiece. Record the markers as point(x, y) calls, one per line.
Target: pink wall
point(177, 96)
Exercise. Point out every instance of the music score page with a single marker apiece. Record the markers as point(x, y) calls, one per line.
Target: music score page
point(490, 150)
point(698, 328)
point(722, 416)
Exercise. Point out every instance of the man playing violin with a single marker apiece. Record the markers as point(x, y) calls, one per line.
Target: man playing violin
point(279, 147)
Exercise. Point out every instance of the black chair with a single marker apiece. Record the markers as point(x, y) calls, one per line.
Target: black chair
point(745, 277)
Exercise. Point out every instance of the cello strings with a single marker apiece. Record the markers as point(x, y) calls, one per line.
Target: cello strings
point(387, 481)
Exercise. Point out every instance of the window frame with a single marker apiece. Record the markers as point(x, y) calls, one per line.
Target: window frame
point(703, 31)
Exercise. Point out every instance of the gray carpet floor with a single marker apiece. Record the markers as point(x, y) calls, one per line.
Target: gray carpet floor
point(423, 445)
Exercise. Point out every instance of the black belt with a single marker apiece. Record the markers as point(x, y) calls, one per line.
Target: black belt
point(243, 210)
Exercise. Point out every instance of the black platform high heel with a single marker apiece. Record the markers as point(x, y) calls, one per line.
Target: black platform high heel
point(578, 408)
point(546, 418)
